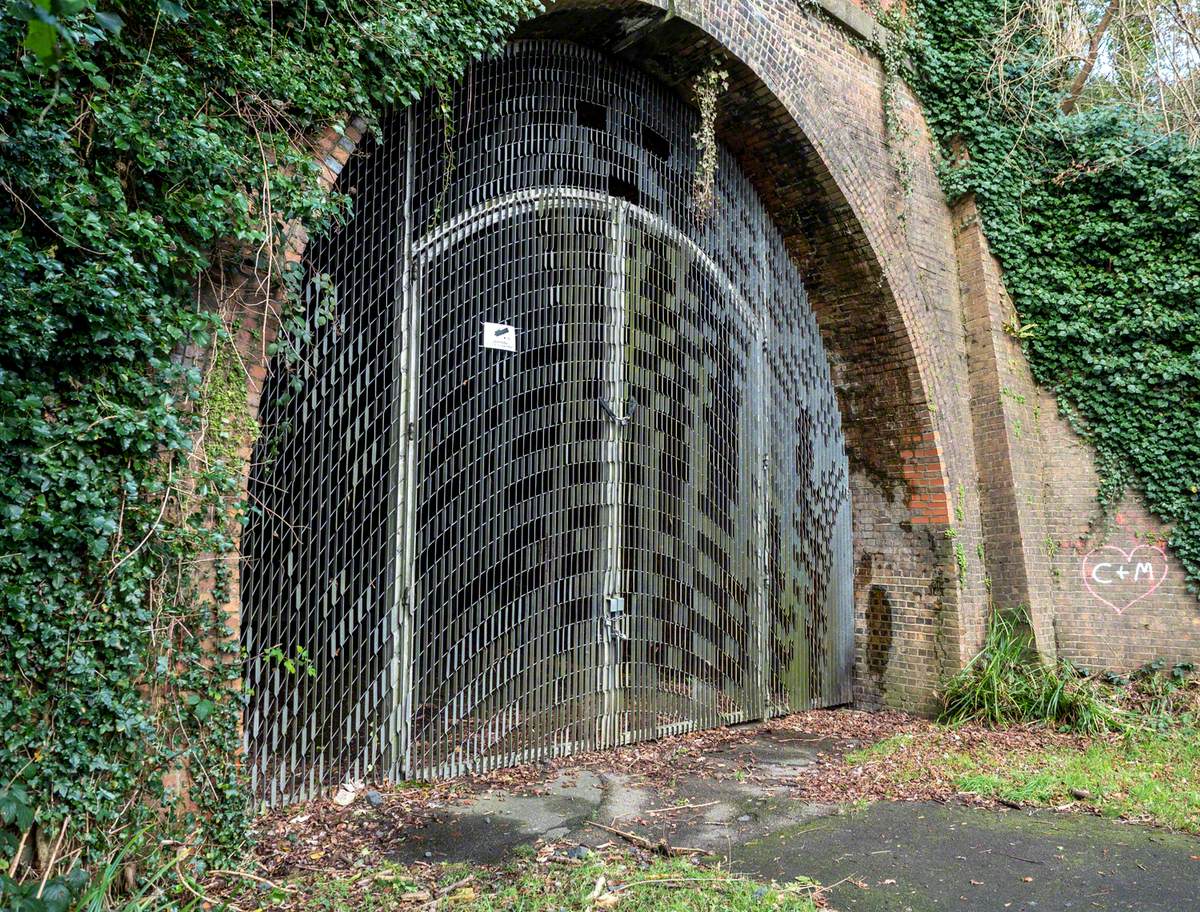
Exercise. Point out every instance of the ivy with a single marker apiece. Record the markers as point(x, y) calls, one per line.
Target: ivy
point(1095, 219)
point(708, 88)
point(138, 141)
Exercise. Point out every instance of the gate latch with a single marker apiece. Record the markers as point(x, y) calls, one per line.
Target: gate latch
point(615, 618)
point(631, 407)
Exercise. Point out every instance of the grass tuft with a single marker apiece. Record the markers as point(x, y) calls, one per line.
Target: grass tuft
point(674, 885)
point(1144, 777)
point(616, 880)
point(1007, 683)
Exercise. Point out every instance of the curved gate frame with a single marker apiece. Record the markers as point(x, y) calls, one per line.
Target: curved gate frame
point(620, 215)
point(312, 758)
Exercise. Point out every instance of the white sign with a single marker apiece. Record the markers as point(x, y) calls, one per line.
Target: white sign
point(500, 336)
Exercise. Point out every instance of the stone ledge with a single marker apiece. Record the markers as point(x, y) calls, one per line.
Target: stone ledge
point(851, 16)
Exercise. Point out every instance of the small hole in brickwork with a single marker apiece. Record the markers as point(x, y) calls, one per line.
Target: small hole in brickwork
point(655, 143)
point(592, 116)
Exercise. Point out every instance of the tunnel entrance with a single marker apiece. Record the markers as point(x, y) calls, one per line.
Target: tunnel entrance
point(555, 462)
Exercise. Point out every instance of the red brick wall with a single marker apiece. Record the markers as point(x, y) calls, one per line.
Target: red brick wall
point(1056, 535)
point(1115, 625)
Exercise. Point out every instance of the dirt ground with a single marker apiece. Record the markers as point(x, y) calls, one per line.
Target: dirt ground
point(776, 800)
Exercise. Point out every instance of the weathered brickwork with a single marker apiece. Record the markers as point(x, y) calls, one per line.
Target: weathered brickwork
point(1095, 584)
point(968, 488)
point(1161, 624)
point(1010, 473)
point(241, 290)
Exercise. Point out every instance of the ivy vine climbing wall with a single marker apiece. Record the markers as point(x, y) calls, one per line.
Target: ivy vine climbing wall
point(137, 140)
point(1094, 216)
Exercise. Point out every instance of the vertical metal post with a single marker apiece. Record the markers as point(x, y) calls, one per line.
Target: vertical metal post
point(614, 391)
point(762, 408)
point(407, 329)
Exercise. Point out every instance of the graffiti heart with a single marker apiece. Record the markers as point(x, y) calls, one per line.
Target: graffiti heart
point(1120, 578)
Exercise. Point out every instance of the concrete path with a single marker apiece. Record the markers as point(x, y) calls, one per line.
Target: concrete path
point(902, 856)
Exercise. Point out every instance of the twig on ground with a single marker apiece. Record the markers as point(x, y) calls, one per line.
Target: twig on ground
point(820, 891)
point(679, 807)
point(200, 895)
point(662, 847)
point(705, 881)
point(444, 892)
point(222, 872)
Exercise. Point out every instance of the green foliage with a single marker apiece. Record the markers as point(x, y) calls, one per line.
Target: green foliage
point(133, 139)
point(1163, 696)
point(1007, 683)
point(708, 88)
point(660, 886)
point(960, 553)
point(611, 880)
point(1095, 217)
point(163, 888)
point(1146, 776)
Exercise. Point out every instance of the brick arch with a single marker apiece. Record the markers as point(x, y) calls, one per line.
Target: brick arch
point(808, 174)
point(804, 116)
point(826, 179)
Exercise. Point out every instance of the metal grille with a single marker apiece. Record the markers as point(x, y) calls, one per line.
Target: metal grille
point(630, 521)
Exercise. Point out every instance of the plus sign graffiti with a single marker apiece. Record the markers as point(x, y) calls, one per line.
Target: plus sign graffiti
point(1120, 578)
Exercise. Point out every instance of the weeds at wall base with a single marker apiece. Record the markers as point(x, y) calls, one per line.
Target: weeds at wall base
point(1007, 683)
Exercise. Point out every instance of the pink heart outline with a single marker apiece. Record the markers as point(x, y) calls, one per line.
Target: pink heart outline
point(1128, 558)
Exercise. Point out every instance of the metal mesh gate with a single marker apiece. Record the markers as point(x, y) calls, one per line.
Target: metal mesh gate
point(559, 466)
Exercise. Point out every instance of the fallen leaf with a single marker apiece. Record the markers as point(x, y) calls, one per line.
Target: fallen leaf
point(596, 890)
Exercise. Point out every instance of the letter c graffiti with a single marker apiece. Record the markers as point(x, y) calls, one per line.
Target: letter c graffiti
point(1096, 574)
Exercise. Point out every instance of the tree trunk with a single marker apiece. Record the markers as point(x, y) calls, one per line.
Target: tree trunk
point(1089, 63)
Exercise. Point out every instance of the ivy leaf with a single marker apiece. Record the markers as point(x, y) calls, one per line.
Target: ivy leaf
point(76, 879)
point(40, 39)
point(110, 22)
point(41, 36)
point(172, 10)
point(56, 896)
point(15, 811)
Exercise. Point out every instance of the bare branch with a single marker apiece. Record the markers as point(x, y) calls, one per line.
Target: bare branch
point(1089, 62)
